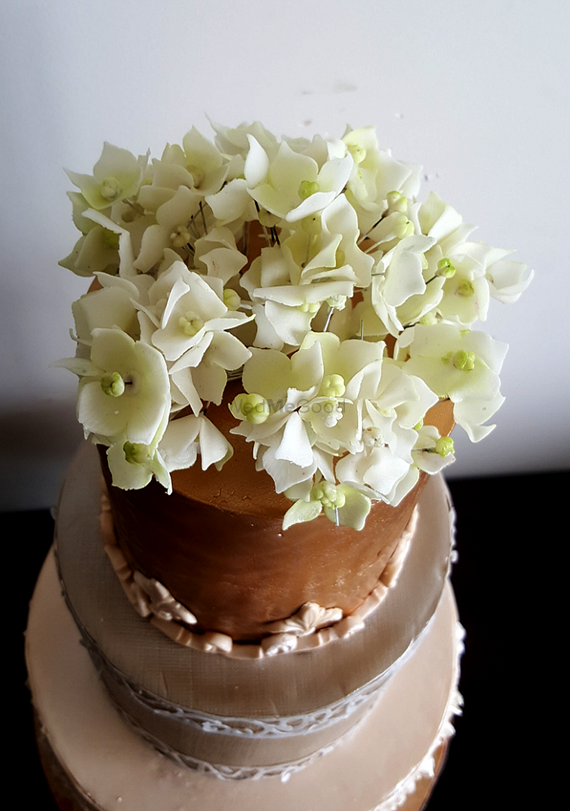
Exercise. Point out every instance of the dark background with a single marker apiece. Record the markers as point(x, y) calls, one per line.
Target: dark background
point(509, 538)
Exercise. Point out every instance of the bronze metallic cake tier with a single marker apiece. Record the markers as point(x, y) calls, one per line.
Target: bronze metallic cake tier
point(217, 544)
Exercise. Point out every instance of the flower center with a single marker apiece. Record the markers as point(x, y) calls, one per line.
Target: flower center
point(403, 227)
point(328, 494)
point(333, 386)
point(397, 202)
point(444, 446)
point(312, 307)
point(252, 407)
point(180, 236)
point(465, 289)
point(464, 360)
point(190, 323)
point(307, 188)
point(231, 299)
point(198, 174)
point(136, 453)
point(445, 269)
point(113, 384)
point(358, 153)
point(110, 189)
point(372, 436)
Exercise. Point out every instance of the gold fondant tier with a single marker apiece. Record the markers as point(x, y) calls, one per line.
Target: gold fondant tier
point(217, 544)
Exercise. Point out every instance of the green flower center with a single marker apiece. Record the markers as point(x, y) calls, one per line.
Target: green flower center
point(397, 202)
point(464, 360)
point(445, 269)
point(231, 299)
point(307, 188)
point(110, 189)
point(404, 227)
point(190, 323)
point(310, 307)
point(136, 453)
point(429, 319)
point(329, 495)
point(333, 386)
point(113, 384)
point(444, 446)
point(358, 153)
point(252, 407)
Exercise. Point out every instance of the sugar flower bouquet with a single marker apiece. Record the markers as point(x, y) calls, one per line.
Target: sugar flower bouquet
point(353, 319)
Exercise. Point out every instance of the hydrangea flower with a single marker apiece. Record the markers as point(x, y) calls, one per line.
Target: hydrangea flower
point(312, 265)
point(116, 175)
point(461, 365)
point(123, 389)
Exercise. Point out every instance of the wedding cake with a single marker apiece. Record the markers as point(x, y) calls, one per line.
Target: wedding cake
point(272, 355)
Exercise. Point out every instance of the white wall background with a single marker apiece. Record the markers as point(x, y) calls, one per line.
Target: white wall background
point(475, 91)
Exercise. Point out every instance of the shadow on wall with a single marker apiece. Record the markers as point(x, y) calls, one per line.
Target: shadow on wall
point(38, 442)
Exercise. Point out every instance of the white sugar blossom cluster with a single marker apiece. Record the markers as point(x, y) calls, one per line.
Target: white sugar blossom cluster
point(310, 270)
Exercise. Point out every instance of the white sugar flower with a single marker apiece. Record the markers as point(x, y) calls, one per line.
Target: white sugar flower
point(186, 438)
point(329, 250)
point(303, 411)
point(187, 320)
point(375, 174)
point(293, 186)
point(277, 387)
point(94, 252)
point(284, 309)
point(390, 419)
point(134, 464)
point(461, 365)
point(507, 280)
point(116, 175)
point(436, 219)
point(204, 161)
point(334, 415)
point(173, 228)
point(123, 389)
point(110, 306)
point(217, 253)
point(376, 470)
point(432, 452)
point(398, 276)
point(193, 309)
point(234, 142)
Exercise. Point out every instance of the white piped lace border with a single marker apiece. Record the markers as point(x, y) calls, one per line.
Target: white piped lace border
point(225, 772)
point(252, 728)
point(303, 631)
point(407, 786)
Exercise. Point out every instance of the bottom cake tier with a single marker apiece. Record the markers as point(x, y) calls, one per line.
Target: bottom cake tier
point(377, 766)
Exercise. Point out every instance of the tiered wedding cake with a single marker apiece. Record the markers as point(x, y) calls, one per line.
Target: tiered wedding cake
point(272, 356)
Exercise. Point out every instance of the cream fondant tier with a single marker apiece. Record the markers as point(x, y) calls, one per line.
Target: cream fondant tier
point(108, 767)
point(243, 717)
